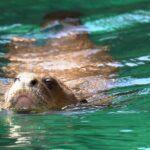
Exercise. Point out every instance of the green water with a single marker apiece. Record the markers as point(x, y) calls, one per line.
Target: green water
point(125, 27)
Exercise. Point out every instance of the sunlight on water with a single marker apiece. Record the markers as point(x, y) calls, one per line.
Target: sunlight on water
point(123, 82)
point(118, 22)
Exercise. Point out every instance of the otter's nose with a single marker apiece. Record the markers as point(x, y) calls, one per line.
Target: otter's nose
point(33, 82)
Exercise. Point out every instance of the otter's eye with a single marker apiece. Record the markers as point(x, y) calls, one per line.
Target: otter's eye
point(16, 79)
point(33, 82)
point(50, 82)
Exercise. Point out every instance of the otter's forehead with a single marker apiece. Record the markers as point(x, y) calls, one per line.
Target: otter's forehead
point(26, 76)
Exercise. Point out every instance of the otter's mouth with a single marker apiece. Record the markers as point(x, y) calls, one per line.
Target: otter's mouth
point(27, 103)
point(24, 103)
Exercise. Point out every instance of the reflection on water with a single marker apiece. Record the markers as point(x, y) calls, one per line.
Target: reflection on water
point(46, 131)
point(125, 30)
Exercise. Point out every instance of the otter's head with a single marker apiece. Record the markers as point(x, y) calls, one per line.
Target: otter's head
point(30, 93)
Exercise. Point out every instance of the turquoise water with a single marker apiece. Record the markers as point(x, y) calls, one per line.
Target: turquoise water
point(125, 28)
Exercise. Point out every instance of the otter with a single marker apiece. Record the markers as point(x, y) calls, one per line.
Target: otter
point(79, 69)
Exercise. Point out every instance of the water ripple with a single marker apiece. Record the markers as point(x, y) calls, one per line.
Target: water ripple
point(129, 81)
point(118, 22)
point(132, 62)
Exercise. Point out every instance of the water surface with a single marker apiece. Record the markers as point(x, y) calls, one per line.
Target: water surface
point(125, 28)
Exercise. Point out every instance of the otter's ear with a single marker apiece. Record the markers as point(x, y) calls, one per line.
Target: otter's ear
point(49, 82)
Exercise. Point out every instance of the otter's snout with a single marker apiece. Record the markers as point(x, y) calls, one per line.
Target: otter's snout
point(24, 103)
